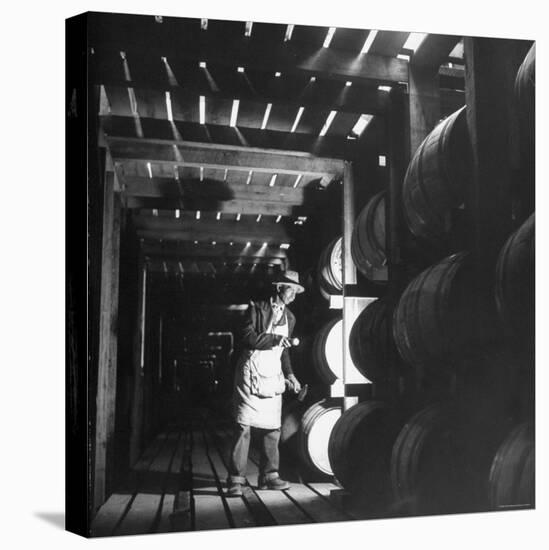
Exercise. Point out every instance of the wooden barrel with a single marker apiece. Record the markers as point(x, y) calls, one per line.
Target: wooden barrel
point(423, 463)
point(371, 342)
point(511, 482)
point(314, 432)
point(326, 353)
point(525, 95)
point(329, 270)
point(368, 238)
point(441, 316)
point(436, 180)
point(360, 449)
point(515, 283)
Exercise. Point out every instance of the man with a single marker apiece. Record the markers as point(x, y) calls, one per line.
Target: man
point(262, 374)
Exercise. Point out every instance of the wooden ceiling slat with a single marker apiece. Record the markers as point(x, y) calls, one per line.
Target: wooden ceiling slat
point(218, 111)
point(150, 104)
point(140, 67)
point(225, 32)
point(434, 50)
point(250, 114)
point(311, 121)
point(313, 36)
point(342, 124)
point(272, 33)
point(214, 174)
point(281, 118)
point(349, 39)
point(258, 180)
point(119, 100)
point(388, 43)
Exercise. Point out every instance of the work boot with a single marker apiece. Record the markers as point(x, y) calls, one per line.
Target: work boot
point(272, 482)
point(234, 489)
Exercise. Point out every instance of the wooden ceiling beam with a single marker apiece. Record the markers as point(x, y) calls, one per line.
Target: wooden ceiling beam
point(205, 230)
point(217, 192)
point(207, 250)
point(190, 154)
point(173, 263)
point(225, 136)
point(434, 50)
point(229, 208)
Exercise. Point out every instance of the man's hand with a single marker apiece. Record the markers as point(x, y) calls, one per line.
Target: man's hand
point(285, 342)
point(293, 383)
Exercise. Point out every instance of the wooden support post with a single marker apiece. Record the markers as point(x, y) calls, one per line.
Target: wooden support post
point(398, 162)
point(491, 67)
point(424, 98)
point(399, 155)
point(108, 341)
point(351, 307)
point(160, 330)
point(349, 215)
point(136, 434)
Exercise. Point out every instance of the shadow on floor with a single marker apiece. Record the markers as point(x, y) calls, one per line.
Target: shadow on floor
point(57, 519)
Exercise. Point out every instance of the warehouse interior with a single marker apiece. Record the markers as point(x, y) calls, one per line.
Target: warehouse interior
point(394, 171)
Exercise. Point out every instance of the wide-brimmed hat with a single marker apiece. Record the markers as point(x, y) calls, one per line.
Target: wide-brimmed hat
point(290, 278)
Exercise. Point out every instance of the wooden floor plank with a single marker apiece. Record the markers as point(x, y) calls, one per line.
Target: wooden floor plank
point(316, 507)
point(163, 459)
point(209, 511)
point(178, 456)
point(165, 523)
point(284, 511)
point(149, 453)
point(109, 515)
point(140, 516)
point(324, 488)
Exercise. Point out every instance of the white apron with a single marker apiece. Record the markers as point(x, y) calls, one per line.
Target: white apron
point(261, 372)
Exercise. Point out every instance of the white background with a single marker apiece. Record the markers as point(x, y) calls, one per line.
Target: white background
point(32, 273)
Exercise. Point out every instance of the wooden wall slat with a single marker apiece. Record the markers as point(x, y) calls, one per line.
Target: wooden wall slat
point(108, 342)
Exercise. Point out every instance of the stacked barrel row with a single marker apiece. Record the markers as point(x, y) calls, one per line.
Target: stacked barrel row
point(445, 458)
point(469, 452)
point(306, 425)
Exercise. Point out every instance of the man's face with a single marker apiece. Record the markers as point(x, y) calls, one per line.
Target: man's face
point(286, 294)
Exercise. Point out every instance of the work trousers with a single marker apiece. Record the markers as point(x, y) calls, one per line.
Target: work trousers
point(269, 456)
